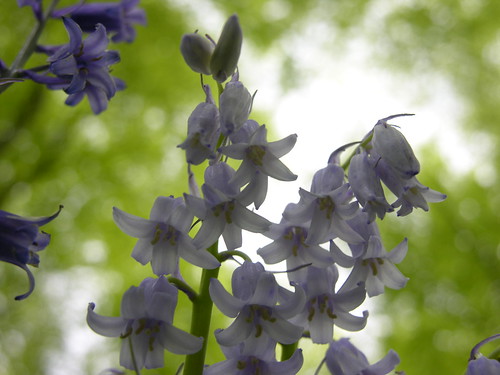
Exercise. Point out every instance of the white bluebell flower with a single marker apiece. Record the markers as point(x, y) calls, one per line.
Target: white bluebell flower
point(163, 238)
point(146, 325)
point(21, 240)
point(260, 159)
point(254, 304)
point(220, 210)
point(343, 358)
point(325, 308)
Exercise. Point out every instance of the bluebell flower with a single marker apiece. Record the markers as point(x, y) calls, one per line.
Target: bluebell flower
point(325, 308)
point(163, 238)
point(483, 366)
point(118, 18)
point(21, 240)
point(391, 145)
point(367, 187)
point(254, 304)
point(36, 6)
point(82, 67)
point(328, 205)
point(227, 51)
point(197, 51)
point(220, 210)
point(343, 358)
point(290, 245)
point(238, 363)
point(260, 160)
point(235, 105)
point(146, 325)
point(203, 131)
point(376, 267)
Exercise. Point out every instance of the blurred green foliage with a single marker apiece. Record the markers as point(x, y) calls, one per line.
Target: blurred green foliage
point(51, 154)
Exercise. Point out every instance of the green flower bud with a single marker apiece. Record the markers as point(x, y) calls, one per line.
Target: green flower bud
point(227, 51)
point(197, 51)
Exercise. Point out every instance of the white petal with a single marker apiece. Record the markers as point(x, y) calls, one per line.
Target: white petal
point(282, 331)
point(238, 331)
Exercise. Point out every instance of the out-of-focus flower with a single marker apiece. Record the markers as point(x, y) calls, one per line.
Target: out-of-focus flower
point(227, 50)
point(145, 325)
point(343, 358)
point(36, 6)
point(118, 18)
point(21, 240)
point(483, 366)
point(81, 68)
point(163, 238)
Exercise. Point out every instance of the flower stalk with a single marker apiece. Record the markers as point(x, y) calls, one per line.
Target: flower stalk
point(201, 317)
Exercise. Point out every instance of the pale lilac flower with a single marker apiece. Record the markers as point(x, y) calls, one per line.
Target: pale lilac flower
point(290, 244)
point(82, 67)
point(328, 205)
point(410, 192)
point(367, 187)
point(376, 268)
point(146, 325)
point(260, 159)
point(235, 104)
point(220, 210)
point(325, 308)
point(163, 237)
point(118, 18)
point(254, 305)
point(238, 363)
point(203, 131)
point(343, 358)
point(21, 240)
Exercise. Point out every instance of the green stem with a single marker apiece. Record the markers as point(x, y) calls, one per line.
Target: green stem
point(200, 319)
point(29, 46)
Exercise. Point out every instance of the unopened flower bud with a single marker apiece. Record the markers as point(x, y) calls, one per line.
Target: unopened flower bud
point(392, 146)
point(197, 52)
point(227, 51)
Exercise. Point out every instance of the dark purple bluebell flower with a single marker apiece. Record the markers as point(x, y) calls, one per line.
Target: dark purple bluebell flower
point(118, 18)
point(21, 240)
point(81, 68)
point(36, 5)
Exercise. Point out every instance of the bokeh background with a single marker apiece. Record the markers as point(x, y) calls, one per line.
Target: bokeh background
point(326, 70)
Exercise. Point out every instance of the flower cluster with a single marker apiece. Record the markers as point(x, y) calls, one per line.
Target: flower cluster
point(333, 225)
point(82, 66)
